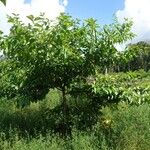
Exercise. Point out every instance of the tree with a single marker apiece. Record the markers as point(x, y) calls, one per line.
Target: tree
point(59, 53)
point(55, 53)
point(138, 55)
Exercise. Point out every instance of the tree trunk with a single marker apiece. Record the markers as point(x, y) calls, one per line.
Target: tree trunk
point(64, 101)
point(65, 111)
point(106, 70)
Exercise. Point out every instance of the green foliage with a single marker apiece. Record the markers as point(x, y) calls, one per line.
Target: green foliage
point(129, 87)
point(3, 1)
point(136, 56)
point(11, 77)
point(54, 54)
point(113, 34)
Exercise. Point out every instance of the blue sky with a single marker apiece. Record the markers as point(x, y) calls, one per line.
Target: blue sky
point(102, 10)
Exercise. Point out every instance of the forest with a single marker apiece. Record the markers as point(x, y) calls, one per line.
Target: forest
point(64, 85)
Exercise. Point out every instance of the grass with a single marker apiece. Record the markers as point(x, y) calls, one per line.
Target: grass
point(121, 127)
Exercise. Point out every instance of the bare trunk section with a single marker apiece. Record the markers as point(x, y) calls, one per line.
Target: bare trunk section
point(65, 111)
point(106, 70)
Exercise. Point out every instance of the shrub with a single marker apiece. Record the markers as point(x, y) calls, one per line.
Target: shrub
point(125, 128)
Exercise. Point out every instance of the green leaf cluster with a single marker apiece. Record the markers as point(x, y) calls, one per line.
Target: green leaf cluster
point(132, 88)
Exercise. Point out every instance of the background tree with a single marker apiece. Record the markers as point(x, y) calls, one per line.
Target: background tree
point(141, 56)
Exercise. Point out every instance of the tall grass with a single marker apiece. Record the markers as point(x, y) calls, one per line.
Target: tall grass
point(121, 127)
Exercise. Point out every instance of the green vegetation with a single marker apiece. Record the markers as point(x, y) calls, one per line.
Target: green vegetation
point(64, 85)
point(117, 127)
point(3, 1)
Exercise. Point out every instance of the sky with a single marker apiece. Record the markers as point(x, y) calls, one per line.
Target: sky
point(102, 10)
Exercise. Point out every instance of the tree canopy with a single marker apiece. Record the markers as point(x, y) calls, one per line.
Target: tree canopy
point(54, 54)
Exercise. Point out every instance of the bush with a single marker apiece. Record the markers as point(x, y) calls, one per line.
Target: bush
point(125, 128)
point(131, 87)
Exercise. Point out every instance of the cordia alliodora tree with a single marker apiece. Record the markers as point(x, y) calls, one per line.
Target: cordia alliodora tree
point(54, 54)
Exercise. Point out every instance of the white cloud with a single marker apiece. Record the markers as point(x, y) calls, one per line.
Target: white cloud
point(51, 8)
point(138, 11)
